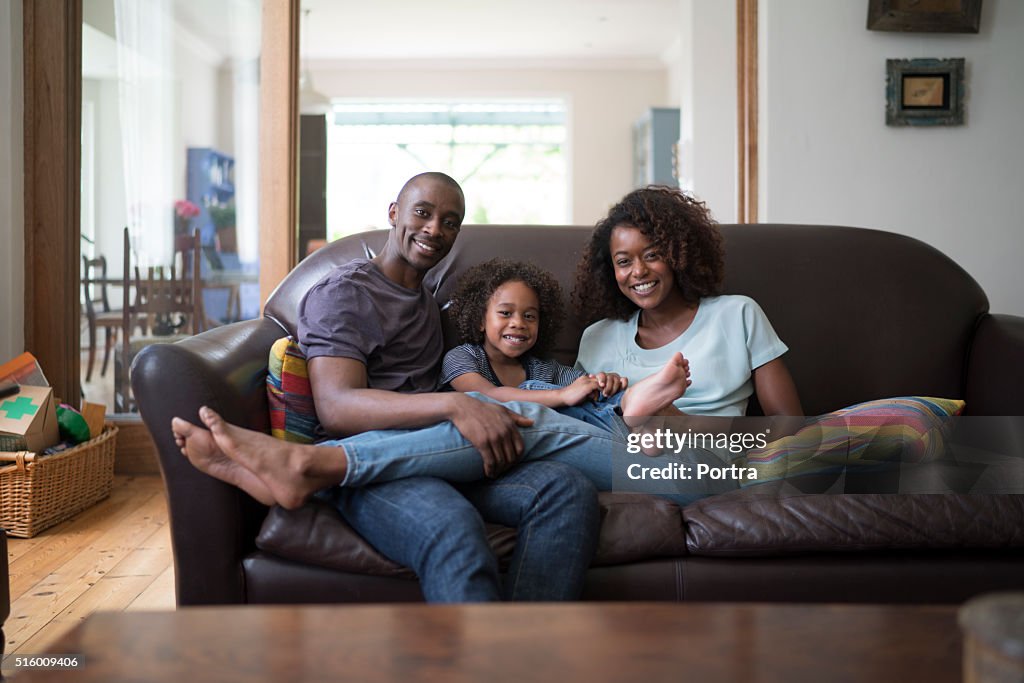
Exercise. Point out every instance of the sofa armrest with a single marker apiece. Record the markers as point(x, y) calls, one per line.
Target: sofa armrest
point(213, 524)
point(995, 367)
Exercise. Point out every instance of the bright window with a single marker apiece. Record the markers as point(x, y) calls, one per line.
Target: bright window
point(509, 157)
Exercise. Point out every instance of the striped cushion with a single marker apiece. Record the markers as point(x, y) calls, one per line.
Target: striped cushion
point(904, 429)
point(292, 415)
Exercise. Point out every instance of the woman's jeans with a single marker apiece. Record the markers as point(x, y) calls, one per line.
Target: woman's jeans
point(603, 412)
point(422, 522)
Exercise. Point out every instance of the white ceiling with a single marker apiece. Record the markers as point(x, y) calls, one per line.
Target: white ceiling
point(604, 30)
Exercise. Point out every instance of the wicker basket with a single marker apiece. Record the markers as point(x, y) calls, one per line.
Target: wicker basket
point(37, 492)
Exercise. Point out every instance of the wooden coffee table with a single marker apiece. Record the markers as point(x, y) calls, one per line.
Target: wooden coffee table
point(564, 643)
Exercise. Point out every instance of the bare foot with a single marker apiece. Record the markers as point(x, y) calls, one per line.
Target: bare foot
point(652, 395)
point(292, 472)
point(197, 444)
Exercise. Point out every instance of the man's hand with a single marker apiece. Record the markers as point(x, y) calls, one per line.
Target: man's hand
point(610, 383)
point(492, 429)
point(582, 389)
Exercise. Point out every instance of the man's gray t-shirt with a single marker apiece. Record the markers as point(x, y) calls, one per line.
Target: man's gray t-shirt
point(356, 312)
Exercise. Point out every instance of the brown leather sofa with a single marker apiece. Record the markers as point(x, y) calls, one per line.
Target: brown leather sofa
point(866, 314)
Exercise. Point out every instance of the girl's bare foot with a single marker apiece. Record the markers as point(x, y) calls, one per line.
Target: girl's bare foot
point(197, 444)
point(292, 472)
point(652, 395)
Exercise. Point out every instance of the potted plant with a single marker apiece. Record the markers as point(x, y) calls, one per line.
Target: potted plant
point(184, 212)
point(223, 217)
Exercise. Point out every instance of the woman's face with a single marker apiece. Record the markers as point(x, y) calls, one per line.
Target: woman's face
point(643, 275)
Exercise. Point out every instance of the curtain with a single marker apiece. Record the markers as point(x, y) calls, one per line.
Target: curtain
point(146, 108)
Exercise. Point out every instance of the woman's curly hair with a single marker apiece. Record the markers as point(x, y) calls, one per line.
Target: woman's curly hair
point(478, 284)
point(681, 226)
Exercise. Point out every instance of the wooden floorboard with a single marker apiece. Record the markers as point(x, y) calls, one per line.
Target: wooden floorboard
point(114, 556)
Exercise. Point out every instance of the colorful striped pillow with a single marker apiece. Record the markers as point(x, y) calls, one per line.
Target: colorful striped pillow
point(903, 429)
point(292, 414)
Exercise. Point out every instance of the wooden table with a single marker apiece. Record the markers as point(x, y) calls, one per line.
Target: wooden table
point(587, 642)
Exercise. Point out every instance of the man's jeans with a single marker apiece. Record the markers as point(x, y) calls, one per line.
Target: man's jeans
point(441, 451)
point(437, 529)
point(419, 521)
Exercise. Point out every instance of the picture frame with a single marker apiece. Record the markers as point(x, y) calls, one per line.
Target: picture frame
point(925, 16)
point(924, 92)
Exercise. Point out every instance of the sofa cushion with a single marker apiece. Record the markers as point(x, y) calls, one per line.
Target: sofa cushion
point(903, 429)
point(762, 523)
point(289, 396)
point(634, 527)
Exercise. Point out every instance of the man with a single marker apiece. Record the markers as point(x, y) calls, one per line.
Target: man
point(372, 335)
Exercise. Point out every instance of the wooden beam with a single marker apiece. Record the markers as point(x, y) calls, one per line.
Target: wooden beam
point(741, 111)
point(279, 126)
point(746, 110)
point(52, 31)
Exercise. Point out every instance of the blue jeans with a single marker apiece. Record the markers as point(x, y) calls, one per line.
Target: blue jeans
point(602, 412)
point(441, 451)
point(437, 529)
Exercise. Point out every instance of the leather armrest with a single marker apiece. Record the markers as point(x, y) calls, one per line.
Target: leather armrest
point(212, 524)
point(995, 367)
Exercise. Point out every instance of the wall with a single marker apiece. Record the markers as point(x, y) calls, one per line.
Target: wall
point(12, 219)
point(828, 157)
point(603, 105)
point(708, 104)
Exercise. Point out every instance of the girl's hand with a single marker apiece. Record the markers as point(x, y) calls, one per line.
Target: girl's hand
point(579, 391)
point(610, 383)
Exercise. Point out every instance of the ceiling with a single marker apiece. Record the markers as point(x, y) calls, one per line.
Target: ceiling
point(603, 30)
point(602, 33)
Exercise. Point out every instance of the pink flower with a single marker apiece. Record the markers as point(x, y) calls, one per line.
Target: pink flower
point(183, 208)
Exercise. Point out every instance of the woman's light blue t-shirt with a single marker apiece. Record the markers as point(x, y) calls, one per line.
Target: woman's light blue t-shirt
point(729, 338)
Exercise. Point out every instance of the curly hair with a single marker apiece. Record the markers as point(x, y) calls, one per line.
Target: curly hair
point(680, 225)
point(478, 284)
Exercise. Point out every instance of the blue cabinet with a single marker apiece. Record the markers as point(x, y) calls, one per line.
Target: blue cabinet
point(654, 137)
point(211, 182)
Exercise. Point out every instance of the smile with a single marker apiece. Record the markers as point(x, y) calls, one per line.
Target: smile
point(426, 248)
point(644, 287)
point(515, 339)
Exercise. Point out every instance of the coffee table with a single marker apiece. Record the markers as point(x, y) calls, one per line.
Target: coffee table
point(565, 643)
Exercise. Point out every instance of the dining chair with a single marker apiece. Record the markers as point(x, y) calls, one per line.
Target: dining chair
point(98, 312)
point(164, 306)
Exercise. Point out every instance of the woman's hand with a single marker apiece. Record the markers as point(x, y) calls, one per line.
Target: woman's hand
point(609, 383)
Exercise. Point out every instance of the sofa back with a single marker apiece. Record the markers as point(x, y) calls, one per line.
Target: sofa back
point(866, 314)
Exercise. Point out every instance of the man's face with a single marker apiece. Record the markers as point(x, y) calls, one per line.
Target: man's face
point(427, 218)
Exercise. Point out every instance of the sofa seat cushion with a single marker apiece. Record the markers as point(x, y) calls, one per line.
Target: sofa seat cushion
point(749, 523)
point(634, 527)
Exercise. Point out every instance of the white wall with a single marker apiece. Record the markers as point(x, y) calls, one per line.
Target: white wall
point(12, 219)
point(708, 104)
point(603, 105)
point(828, 157)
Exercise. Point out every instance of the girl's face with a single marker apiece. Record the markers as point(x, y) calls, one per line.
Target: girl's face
point(512, 320)
point(643, 275)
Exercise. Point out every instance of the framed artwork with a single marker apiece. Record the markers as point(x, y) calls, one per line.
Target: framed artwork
point(924, 92)
point(929, 16)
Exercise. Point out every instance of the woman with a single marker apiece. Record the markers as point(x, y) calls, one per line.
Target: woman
point(652, 278)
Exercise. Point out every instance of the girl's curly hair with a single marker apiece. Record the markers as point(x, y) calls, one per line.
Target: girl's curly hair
point(478, 284)
point(681, 226)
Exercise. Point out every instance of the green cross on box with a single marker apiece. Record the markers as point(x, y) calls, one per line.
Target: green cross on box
point(19, 407)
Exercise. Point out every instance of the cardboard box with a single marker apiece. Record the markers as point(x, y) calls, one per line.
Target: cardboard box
point(94, 414)
point(28, 420)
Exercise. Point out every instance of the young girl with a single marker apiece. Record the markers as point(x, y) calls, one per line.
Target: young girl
point(508, 314)
point(652, 277)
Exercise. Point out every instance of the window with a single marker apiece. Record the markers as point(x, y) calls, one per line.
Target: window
point(509, 157)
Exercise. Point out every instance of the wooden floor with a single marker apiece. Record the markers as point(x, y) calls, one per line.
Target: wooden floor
point(115, 556)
